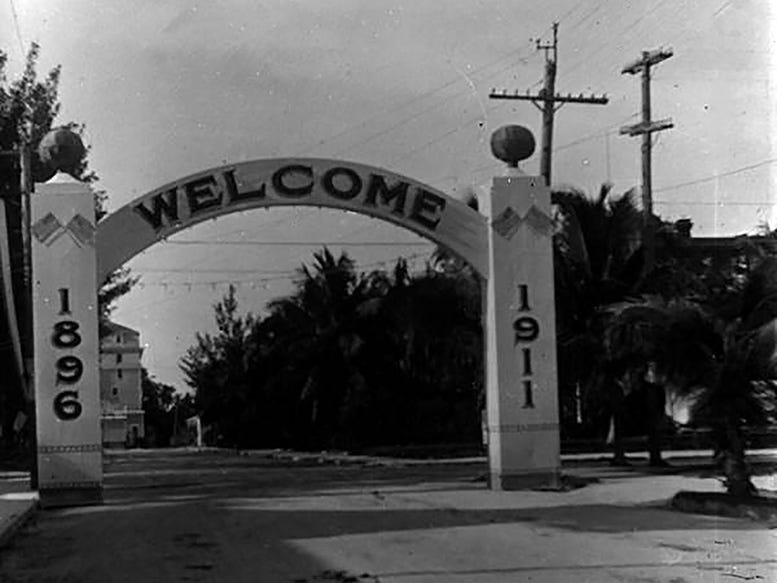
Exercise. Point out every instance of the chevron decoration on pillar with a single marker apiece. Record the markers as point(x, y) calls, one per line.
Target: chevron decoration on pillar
point(49, 229)
point(508, 222)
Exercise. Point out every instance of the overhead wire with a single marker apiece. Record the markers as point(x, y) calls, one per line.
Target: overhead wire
point(720, 203)
point(612, 36)
point(716, 176)
point(290, 275)
point(414, 100)
point(407, 120)
point(300, 243)
point(588, 137)
point(586, 17)
point(474, 72)
point(441, 136)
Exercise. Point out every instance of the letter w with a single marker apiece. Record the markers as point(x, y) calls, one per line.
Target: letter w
point(165, 203)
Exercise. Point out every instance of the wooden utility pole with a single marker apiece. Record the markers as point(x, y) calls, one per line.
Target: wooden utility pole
point(549, 99)
point(645, 128)
point(548, 108)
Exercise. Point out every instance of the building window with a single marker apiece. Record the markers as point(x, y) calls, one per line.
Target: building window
point(115, 391)
point(118, 338)
point(119, 373)
point(118, 358)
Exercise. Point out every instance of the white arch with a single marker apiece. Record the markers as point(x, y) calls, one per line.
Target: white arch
point(264, 183)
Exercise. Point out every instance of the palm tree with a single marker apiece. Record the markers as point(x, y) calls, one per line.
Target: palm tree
point(727, 368)
point(657, 347)
point(743, 394)
point(315, 343)
point(598, 262)
point(434, 323)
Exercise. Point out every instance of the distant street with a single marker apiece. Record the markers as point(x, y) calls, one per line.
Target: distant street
point(217, 516)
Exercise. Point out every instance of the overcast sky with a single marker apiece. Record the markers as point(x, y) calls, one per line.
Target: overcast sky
point(169, 88)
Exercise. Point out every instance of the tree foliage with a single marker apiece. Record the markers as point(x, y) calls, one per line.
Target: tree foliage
point(216, 366)
point(165, 411)
point(346, 360)
point(598, 262)
point(700, 327)
point(29, 108)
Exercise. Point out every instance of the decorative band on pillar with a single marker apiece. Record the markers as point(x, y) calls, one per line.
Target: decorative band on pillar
point(523, 427)
point(70, 448)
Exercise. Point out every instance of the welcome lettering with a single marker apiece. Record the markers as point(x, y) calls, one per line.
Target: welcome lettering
point(344, 187)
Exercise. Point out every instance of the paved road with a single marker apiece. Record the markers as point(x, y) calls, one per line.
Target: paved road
point(217, 516)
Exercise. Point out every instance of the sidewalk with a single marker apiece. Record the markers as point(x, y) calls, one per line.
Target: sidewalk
point(17, 504)
point(568, 460)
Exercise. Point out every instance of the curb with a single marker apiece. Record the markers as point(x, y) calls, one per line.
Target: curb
point(16, 523)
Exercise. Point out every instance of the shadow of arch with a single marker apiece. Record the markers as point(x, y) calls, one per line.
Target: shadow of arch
point(265, 183)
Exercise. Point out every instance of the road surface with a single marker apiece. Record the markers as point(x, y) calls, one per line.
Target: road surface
point(221, 517)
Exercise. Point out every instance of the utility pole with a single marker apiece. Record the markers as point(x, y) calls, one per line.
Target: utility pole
point(646, 128)
point(548, 108)
point(15, 187)
point(549, 98)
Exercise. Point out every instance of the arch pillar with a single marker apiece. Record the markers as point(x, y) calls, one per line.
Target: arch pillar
point(520, 336)
point(66, 344)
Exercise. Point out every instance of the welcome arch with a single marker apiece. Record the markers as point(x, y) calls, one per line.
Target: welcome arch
point(509, 246)
point(349, 186)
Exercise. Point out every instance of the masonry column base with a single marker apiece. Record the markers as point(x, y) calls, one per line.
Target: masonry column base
point(62, 497)
point(550, 480)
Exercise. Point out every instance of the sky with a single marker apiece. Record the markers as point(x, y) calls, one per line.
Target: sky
point(168, 88)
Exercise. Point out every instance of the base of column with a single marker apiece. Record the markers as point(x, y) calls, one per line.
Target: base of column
point(60, 497)
point(550, 479)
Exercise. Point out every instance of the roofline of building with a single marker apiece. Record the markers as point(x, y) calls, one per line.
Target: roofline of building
point(116, 327)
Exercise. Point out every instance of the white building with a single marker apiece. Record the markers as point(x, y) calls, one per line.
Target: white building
point(121, 395)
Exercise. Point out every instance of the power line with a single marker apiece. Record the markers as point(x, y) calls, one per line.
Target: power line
point(720, 203)
point(613, 35)
point(511, 54)
point(206, 270)
point(302, 243)
point(435, 105)
point(425, 145)
point(412, 101)
point(494, 165)
point(291, 276)
point(405, 121)
point(716, 176)
point(602, 132)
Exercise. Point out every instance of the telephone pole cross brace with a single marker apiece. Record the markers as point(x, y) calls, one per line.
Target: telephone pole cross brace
point(645, 128)
point(549, 98)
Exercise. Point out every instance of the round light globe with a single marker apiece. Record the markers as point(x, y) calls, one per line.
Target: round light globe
point(61, 149)
point(512, 144)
